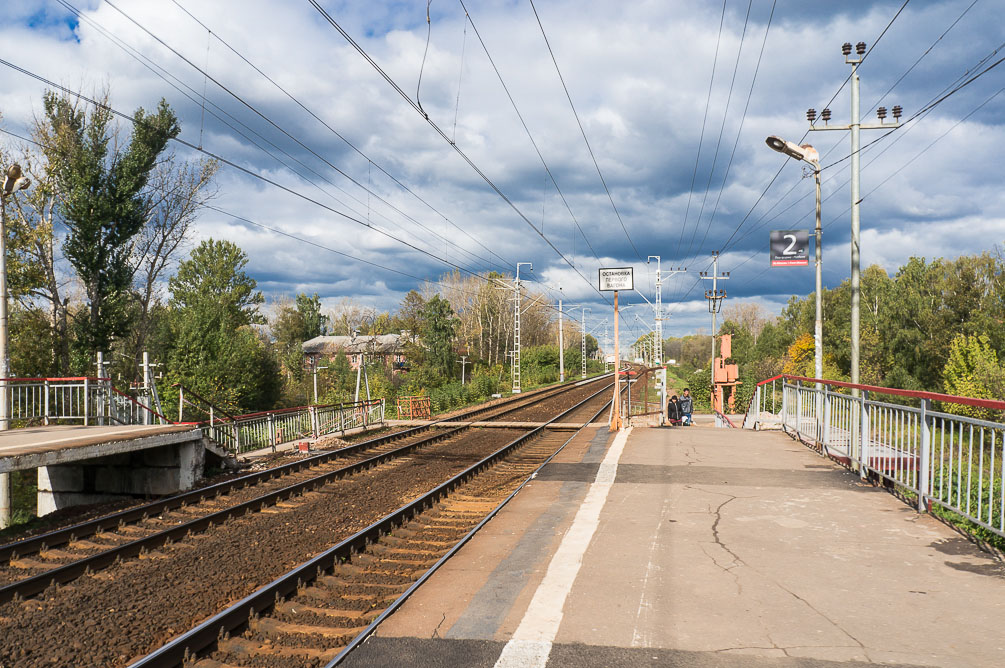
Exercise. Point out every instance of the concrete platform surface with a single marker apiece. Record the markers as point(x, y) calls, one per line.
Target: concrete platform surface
point(58, 444)
point(702, 547)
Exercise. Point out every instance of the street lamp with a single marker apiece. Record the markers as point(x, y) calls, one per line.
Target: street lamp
point(808, 154)
point(13, 181)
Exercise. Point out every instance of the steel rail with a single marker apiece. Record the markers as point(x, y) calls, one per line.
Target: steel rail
point(398, 602)
point(62, 574)
point(66, 535)
point(182, 648)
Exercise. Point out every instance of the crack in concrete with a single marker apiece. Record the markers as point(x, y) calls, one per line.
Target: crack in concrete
point(436, 631)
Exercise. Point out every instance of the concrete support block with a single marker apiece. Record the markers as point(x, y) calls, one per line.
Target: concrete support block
point(156, 471)
point(62, 478)
point(164, 456)
point(192, 462)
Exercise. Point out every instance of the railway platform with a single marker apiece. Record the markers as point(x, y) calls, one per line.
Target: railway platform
point(701, 547)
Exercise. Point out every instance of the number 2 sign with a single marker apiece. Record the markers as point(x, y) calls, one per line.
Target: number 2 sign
point(789, 248)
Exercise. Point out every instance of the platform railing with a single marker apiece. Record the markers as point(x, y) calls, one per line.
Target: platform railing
point(81, 399)
point(928, 446)
point(267, 429)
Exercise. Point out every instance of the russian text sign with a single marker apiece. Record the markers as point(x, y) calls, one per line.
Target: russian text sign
point(789, 248)
point(616, 278)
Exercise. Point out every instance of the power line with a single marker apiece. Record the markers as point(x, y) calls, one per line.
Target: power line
point(526, 129)
point(346, 141)
point(718, 142)
point(258, 113)
point(457, 149)
point(582, 130)
point(739, 130)
point(240, 168)
point(313, 243)
point(701, 137)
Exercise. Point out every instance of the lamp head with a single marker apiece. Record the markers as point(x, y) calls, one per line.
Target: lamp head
point(805, 152)
point(14, 181)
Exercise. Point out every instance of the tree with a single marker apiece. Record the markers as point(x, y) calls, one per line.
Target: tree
point(409, 316)
point(972, 370)
point(215, 350)
point(437, 337)
point(102, 203)
point(214, 275)
point(177, 193)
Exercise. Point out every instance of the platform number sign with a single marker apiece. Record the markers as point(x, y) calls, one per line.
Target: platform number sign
point(789, 248)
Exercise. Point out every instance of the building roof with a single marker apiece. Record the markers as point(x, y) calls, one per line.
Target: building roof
point(379, 343)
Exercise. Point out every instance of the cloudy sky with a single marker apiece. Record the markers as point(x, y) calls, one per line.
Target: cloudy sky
point(674, 98)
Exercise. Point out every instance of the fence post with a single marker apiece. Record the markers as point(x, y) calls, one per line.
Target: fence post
point(863, 438)
point(86, 402)
point(785, 404)
point(314, 420)
point(212, 424)
point(237, 437)
point(827, 420)
point(924, 471)
point(799, 407)
point(272, 431)
point(45, 389)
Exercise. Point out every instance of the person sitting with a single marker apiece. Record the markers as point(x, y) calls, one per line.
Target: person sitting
point(674, 414)
point(686, 407)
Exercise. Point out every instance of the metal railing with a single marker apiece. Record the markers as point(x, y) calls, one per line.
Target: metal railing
point(87, 400)
point(930, 449)
point(255, 431)
point(722, 421)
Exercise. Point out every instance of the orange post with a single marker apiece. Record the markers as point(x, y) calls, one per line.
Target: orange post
point(616, 410)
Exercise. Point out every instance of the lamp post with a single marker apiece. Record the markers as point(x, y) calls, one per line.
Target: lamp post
point(315, 371)
point(808, 154)
point(516, 326)
point(13, 181)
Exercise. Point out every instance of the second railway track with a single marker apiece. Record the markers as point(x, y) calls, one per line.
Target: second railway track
point(185, 577)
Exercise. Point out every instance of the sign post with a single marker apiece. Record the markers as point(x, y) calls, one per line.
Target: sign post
point(613, 280)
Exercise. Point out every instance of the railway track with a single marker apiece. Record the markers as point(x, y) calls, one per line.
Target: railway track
point(317, 613)
point(194, 573)
point(27, 567)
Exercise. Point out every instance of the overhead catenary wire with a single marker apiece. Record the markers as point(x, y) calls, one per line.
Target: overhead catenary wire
point(701, 137)
point(582, 131)
point(523, 122)
point(718, 141)
point(310, 242)
point(345, 140)
point(257, 112)
point(242, 169)
point(384, 75)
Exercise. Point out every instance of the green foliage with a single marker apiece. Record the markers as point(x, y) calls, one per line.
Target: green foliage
point(101, 203)
point(215, 351)
point(538, 365)
point(972, 370)
point(437, 336)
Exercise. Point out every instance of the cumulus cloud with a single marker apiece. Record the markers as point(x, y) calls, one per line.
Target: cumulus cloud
point(640, 80)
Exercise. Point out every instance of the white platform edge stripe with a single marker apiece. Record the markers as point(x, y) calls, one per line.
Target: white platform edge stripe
point(531, 643)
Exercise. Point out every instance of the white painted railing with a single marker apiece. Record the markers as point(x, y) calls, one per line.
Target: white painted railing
point(947, 459)
point(255, 431)
point(89, 401)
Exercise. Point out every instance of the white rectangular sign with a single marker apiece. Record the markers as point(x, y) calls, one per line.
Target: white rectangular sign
point(617, 278)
